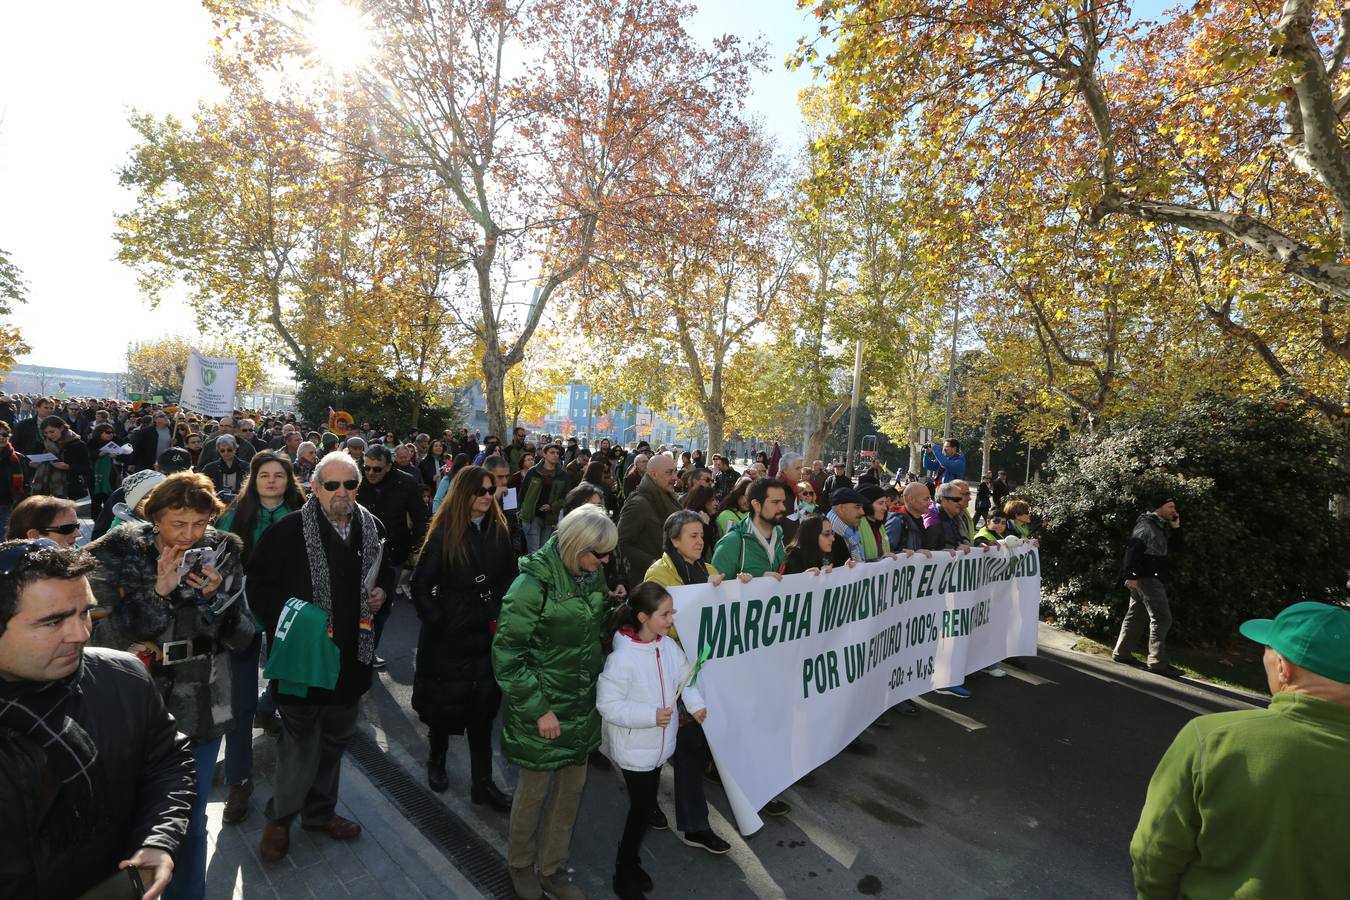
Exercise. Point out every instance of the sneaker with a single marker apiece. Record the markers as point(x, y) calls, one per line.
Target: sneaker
point(776, 807)
point(560, 886)
point(378, 663)
point(1125, 660)
point(1166, 671)
point(995, 671)
point(236, 805)
point(908, 708)
point(659, 821)
point(955, 691)
point(708, 840)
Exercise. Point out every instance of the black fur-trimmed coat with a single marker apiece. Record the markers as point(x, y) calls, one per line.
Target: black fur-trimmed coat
point(197, 692)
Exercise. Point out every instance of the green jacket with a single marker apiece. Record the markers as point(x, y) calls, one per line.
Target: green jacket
point(547, 658)
point(986, 535)
point(531, 495)
point(727, 519)
point(1250, 804)
point(642, 525)
point(740, 551)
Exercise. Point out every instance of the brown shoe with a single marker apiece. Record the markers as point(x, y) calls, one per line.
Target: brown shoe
point(337, 828)
point(236, 805)
point(276, 842)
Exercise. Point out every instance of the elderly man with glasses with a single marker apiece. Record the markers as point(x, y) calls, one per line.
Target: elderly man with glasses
point(244, 448)
point(948, 528)
point(316, 580)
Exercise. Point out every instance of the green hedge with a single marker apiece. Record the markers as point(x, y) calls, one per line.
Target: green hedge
point(1253, 480)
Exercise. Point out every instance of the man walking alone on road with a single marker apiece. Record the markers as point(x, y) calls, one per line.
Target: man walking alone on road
point(1156, 535)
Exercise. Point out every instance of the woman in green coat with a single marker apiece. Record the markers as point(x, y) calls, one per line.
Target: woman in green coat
point(547, 657)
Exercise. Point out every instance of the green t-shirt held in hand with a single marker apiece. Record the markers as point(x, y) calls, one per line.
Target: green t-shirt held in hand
point(302, 654)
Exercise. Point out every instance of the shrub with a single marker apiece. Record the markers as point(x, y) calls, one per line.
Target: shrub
point(1253, 480)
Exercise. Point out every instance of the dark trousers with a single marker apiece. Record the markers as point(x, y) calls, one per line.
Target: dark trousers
point(309, 761)
point(378, 620)
point(641, 801)
point(691, 756)
point(479, 735)
point(243, 706)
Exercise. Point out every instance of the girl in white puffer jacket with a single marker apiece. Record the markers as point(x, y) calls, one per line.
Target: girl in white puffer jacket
point(636, 699)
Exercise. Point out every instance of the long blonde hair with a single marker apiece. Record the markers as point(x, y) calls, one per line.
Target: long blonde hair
point(452, 517)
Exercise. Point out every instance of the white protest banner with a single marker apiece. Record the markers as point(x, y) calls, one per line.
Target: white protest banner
point(208, 384)
point(799, 667)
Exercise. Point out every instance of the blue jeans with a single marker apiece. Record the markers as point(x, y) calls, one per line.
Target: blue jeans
point(243, 706)
point(537, 532)
point(189, 872)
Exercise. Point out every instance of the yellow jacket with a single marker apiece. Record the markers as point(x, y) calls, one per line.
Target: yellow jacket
point(664, 573)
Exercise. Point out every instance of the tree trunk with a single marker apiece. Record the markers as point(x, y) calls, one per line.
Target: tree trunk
point(915, 446)
point(416, 412)
point(987, 442)
point(494, 390)
point(715, 414)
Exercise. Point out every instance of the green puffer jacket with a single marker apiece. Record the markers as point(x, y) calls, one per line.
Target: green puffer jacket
point(547, 657)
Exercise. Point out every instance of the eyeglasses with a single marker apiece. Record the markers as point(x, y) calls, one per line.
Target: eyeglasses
point(602, 555)
point(246, 430)
point(350, 484)
point(13, 557)
point(808, 495)
point(68, 528)
point(484, 491)
point(372, 470)
point(950, 499)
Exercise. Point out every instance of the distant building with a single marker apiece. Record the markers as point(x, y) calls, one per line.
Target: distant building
point(575, 414)
point(55, 381)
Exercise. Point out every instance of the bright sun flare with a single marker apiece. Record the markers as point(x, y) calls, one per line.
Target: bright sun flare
point(339, 35)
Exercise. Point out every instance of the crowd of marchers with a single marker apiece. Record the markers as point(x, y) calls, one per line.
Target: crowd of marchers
point(242, 570)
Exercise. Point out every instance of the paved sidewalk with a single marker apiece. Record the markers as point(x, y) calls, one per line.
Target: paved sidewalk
point(389, 860)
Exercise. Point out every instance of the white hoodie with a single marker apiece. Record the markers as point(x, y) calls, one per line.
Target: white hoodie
point(641, 677)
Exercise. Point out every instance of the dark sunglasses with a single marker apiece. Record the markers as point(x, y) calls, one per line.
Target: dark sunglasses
point(13, 557)
point(809, 495)
point(483, 491)
point(372, 470)
point(602, 555)
point(68, 528)
point(350, 484)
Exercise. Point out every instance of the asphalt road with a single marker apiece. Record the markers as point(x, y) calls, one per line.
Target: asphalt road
point(1030, 789)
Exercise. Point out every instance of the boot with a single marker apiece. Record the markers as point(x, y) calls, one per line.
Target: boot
point(484, 791)
point(437, 780)
point(526, 883)
point(627, 884)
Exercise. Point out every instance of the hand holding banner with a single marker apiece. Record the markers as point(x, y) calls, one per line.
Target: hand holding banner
point(795, 669)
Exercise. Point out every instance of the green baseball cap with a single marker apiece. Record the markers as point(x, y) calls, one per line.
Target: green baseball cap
point(1315, 636)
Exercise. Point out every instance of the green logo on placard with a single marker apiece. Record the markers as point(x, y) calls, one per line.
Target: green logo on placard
point(208, 376)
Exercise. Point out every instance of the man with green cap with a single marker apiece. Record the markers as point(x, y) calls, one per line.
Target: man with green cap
point(1256, 803)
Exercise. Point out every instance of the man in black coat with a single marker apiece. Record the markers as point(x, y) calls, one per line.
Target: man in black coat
point(94, 777)
point(396, 500)
point(323, 554)
point(28, 433)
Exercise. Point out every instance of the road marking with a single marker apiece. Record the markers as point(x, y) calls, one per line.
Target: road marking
point(819, 831)
point(1028, 677)
point(965, 722)
point(757, 878)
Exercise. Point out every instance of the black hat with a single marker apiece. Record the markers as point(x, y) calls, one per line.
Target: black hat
point(838, 463)
point(175, 459)
point(871, 493)
point(1159, 499)
point(847, 495)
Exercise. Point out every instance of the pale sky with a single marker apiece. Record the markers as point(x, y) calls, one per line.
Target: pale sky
point(69, 73)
